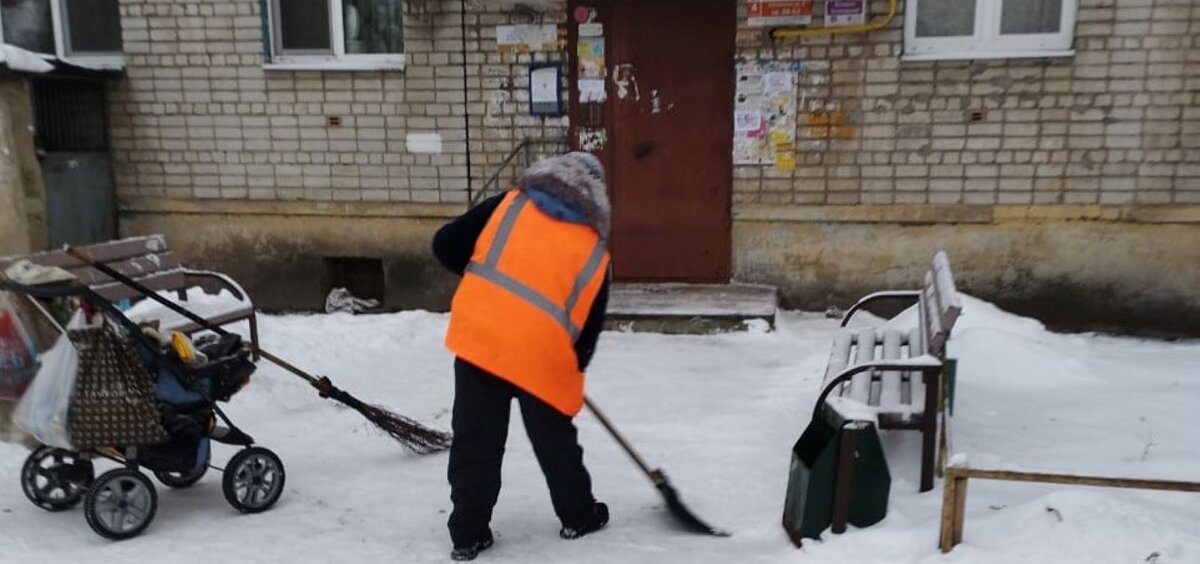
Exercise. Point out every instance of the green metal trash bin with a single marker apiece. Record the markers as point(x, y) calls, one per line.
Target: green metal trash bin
point(838, 475)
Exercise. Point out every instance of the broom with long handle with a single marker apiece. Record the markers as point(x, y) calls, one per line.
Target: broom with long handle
point(412, 435)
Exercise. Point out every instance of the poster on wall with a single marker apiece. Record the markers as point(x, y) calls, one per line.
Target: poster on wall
point(845, 12)
point(590, 52)
point(775, 13)
point(764, 113)
point(526, 38)
point(592, 139)
point(545, 89)
point(591, 90)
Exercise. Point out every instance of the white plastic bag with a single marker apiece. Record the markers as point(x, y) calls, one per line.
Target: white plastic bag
point(44, 408)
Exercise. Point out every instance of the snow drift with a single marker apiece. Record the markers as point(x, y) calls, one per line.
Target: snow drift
point(720, 414)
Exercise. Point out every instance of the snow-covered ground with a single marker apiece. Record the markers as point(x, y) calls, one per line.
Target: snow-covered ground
point(720, 414)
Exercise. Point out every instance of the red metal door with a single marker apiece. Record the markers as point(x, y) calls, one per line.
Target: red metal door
point(669, 120)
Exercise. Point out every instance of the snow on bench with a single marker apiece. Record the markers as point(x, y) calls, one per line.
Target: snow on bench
point(892, 377)
point(889, 392)
point(149, 261)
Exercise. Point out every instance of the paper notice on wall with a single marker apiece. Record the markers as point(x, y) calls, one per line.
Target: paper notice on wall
point(591, 90)
point(778, 83)
point(845, 12)
point(765, 108)
point(543, 85)
point(747, 120)
point(772, 13)
point(512, 38)
point(750, 38)
point(749, 84)
point(745, 150)
point(591, 30)
point(590, 54)
point(544, 90)
point(592, 139)
point(526, 38)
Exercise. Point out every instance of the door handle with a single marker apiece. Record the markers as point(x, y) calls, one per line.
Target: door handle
point(643, 149)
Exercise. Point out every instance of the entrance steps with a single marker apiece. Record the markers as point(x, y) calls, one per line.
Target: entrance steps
point(691, 308)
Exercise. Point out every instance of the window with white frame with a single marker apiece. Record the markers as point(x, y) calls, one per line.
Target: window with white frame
point(82, 32)
point(988, 29)
point(338, 34)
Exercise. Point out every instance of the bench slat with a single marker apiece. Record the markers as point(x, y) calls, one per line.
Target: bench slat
point(916, 347)
point(860, 384)
point(914, 390)
point(839, 355)
point(102, 252)
point(945, 282)
point(140, 258)
point(133, 267)
point(125, 248)
point(170, 280)
point(949, 303)
point(888, 396)
point(935, 340)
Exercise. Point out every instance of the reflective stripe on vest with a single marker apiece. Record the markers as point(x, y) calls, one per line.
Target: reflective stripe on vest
point(487, 270)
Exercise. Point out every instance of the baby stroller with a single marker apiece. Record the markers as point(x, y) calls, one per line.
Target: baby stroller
point(184, 382)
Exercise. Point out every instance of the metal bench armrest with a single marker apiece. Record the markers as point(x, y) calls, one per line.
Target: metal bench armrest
point(911, 295)
point(229, 283)
point(239, 293)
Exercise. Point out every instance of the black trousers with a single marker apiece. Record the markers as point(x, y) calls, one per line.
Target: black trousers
point(480, 425)
point(482, 404)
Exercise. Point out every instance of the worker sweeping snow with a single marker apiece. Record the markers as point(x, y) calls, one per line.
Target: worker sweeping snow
point(524, 324)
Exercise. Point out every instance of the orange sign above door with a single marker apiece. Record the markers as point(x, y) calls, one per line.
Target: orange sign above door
point(773, 13)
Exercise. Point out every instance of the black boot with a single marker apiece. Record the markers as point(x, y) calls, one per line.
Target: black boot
point(470, 551)
point(592, 523)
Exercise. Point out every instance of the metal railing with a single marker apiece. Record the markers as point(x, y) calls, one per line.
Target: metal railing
point(525, 150)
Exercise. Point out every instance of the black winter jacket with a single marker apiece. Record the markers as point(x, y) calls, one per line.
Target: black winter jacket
point(455, 242)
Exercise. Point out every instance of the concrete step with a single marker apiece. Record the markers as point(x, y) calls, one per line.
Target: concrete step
point(690, 308)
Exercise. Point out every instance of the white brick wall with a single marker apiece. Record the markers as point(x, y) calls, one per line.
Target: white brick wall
point(198, 117)
point(1118, 123)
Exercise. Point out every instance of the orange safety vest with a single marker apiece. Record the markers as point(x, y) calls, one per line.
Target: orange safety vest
point(524, 298)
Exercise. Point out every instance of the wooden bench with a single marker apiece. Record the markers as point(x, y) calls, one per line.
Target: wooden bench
point(149, 261)
point(892, 376)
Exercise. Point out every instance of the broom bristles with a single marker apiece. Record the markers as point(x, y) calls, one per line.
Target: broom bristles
point(414, 436)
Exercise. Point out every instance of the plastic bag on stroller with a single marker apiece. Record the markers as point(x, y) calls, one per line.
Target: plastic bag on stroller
point(44, 409)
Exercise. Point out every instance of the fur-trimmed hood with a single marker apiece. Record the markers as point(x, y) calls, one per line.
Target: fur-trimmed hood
point(576, 180)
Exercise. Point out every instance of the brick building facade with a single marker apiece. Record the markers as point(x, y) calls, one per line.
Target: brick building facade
point(1069, 184)
point(199, 116)
point(1117, 123)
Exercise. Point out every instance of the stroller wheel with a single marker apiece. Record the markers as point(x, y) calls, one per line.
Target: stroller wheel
point(253, 480)
point(56, 479)
point(180, 480)
point(121, 504)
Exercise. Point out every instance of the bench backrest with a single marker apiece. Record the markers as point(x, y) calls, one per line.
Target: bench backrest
point(940, 305)
point(145, 259)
